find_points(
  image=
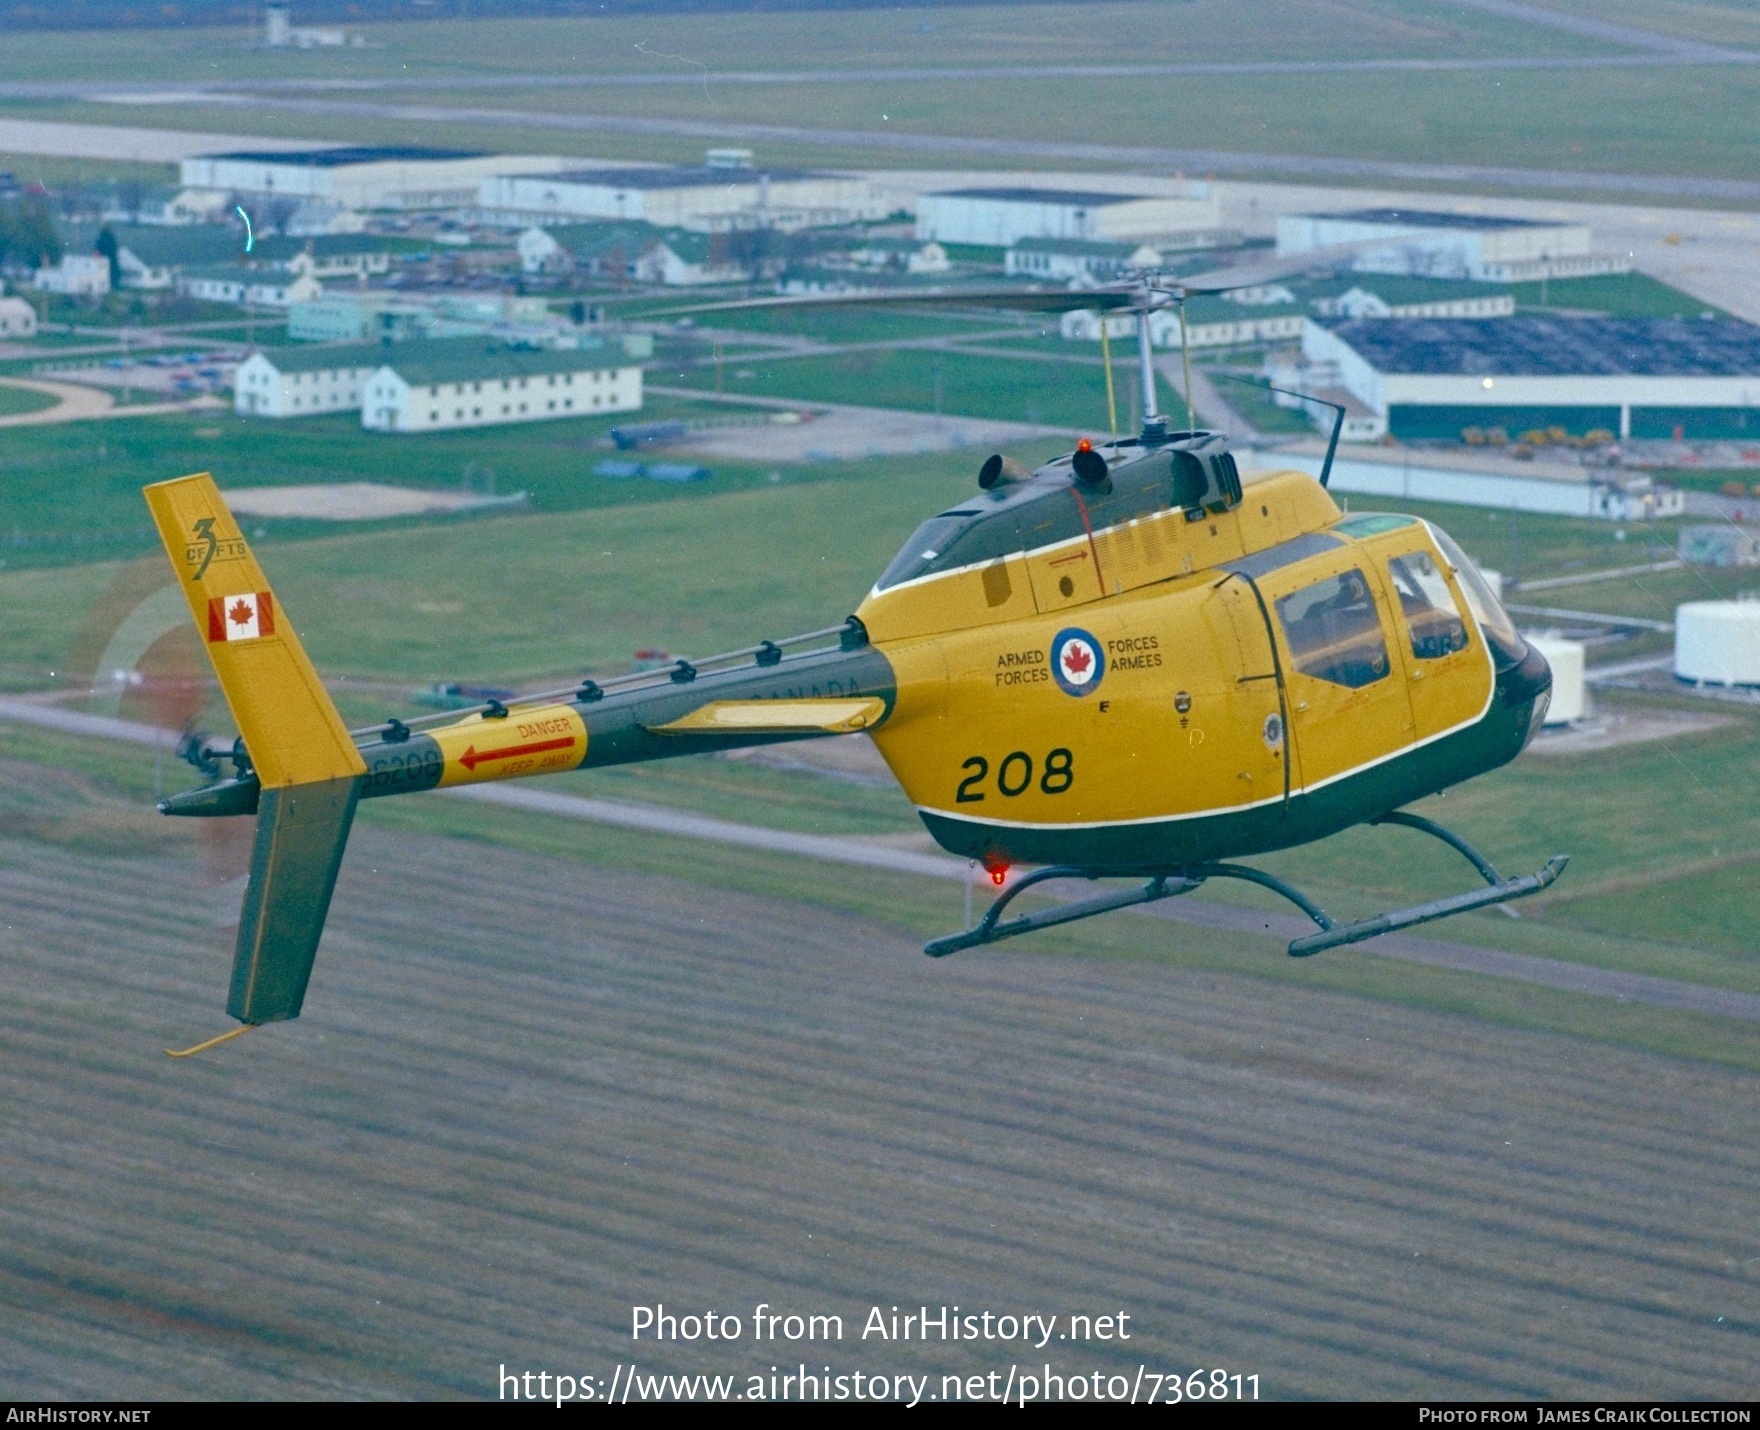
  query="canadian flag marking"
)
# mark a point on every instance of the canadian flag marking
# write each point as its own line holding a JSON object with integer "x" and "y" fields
{"x": 241, "y": 618}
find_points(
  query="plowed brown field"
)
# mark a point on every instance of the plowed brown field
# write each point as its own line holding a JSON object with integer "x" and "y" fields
{"x": 528, "y": 1094}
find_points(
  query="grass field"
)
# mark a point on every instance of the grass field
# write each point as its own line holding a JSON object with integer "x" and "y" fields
{"x": 72, "y": 494}
{"x": 976, "y": 386}
{"x": 532, "y": 1089}
{"x": 1205, "y": 30}
{"x": 1621, "y": 295}
{"x": 16, "y": 400}
{"x": 1703, "y": 479}
{"x": 848, "y": 326}
{"x": 1647, "y": 119}
{"x": 1665, "y": 845}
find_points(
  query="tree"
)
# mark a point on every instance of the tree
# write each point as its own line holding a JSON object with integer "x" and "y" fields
{"x": 27, "y": 232}
{"x": 106, "y": 245}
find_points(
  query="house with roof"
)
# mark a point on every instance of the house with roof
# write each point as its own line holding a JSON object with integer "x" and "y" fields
{"x": 259, "y": 287}
{"x": 17, "y": 318}
{"x": 1210, "y": 322}
{"x": 151, "y": 256}
{"x": 304, "y": 381}
{"x": 632, "y": 253}
{"x": 350, "y": 257}
{"x": 469, "y": 382}
{"x": 78, "y": 275}
{"x": 1384, "y": 296}
{"x": 592, "y": 250}
{"x": 902, "y": 255}
{"x": 1062, "y": 260}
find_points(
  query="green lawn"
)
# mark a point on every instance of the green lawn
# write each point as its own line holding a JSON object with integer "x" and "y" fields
{"x": 682, "y": 43}
{"x": 1622, "y": 295}
{"x": 851, "y": 326}
{"x": 1064, "y": 395}
{"x": 690, "y": 568}
{"x": 1703, "y": 479}
{"x": 16, "y": 400}
{"x": 72, "y": 493}
{"x": 1665, "y": 837}
{"x": 1672, "y": 119}
{"x": 1258, "y": 407}
{"x": 920, "y": 907}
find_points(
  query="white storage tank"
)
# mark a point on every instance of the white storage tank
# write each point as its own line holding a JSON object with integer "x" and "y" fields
{"x": 1570, "y": 699}
{"x": 1718, "y": 642}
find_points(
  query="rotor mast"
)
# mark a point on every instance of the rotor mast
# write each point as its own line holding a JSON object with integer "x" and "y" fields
{"x": 1146, "y": 369}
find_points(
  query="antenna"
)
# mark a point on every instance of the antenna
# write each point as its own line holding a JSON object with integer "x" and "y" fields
{"x": 1337, "y": 420}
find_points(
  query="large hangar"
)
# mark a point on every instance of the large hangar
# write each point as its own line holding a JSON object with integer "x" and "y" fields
{"x": 1486, "y": 248}
{"x": 1001, "y": 218}
{"x": 706, "y": 198}
{"x": 1694, "y": 379}
{"x": 360, "y": 176}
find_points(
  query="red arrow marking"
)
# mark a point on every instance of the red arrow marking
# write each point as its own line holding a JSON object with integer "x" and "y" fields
{"x": 470, "y": 759}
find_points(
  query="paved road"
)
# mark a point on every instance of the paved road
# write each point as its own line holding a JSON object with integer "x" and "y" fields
{"x": 118, "y": 141}
{"x": 71, "y": 402}
{"x": 77, "y": 403}
{"x": 1544, "y": 972}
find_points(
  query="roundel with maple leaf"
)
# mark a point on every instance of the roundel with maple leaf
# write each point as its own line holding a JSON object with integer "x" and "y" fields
{"x": 1077, "y": 662}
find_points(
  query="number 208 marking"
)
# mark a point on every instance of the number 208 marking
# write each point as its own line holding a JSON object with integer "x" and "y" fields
{"x": 1014, "y": 776}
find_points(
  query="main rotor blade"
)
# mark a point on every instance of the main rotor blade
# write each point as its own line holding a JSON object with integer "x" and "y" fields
{"x": 1269, "y": 270}
{"x": 1148, "y": 293}
{"x": 1025, "y": 300}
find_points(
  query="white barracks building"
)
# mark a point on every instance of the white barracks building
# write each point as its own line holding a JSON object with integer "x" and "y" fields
{"x": 303, "y": 382}
{"x": 470, "y": 382}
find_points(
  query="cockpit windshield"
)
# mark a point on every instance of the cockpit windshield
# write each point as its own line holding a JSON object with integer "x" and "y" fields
{"x": 1500, "y": 630}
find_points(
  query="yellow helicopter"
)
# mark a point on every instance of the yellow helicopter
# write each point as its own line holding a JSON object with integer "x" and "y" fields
{"x": 1128, "y": 663}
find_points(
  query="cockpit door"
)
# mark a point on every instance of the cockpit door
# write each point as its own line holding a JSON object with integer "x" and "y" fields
{"x": 1349, "y": 707}
{"x": 1448, "y": 668}
{"x": 1257, "y": 697}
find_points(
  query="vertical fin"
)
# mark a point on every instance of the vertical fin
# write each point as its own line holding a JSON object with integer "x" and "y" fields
{"x": 301, "y": 831}
{"x": 309, "y": 769}
{"x": 291, "y": 729}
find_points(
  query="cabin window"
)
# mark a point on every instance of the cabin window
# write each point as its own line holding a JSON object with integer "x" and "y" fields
{"x": 1432, "y": 617}
{"x": 1334, "y": 631}
{"x": 1189, "y": 482}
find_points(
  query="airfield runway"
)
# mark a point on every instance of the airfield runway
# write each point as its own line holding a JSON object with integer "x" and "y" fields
{"x": 528, "y": 1094}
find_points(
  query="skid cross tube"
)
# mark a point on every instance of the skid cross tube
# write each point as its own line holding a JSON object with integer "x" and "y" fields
{"x": 988, "y": 930}
{"x": 1498, "y": 893}
{"x": 1171, "y": 883}
{"x": 1497, "y": 890}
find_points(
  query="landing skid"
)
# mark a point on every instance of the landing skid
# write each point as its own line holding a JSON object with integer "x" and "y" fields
{"x": 1171, "y": 883}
